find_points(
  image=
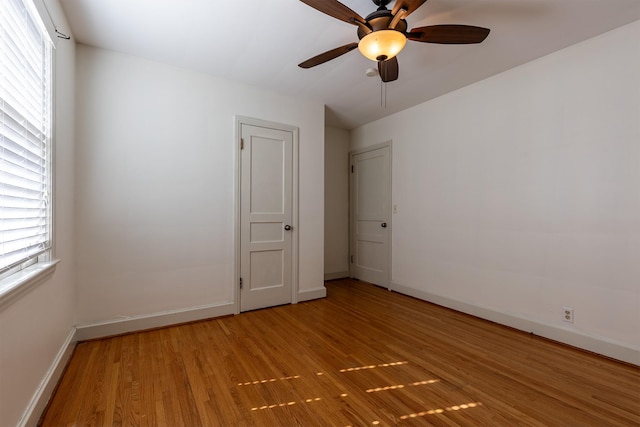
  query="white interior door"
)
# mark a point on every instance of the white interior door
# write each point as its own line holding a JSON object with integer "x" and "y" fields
{"x": 266, "y": 217}
{"x": 370, "y": 215}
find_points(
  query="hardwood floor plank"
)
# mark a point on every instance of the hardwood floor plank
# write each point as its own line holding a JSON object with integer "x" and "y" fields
{"x": 363, "y": 356}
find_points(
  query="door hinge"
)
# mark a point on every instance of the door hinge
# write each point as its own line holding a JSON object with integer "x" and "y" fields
{"x": 351, "y": 168}
{"x": 241, "y": 283}
{"x": 351, "y": 259}
{"x": 242, "y": 143}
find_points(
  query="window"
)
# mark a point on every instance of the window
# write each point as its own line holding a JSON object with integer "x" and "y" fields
{"x": 25, "y": 137}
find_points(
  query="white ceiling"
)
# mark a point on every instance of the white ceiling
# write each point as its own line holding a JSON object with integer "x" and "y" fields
{"x": 260, "y": 43}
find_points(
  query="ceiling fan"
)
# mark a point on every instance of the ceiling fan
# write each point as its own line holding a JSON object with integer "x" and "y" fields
{"x": 383, "y": 33}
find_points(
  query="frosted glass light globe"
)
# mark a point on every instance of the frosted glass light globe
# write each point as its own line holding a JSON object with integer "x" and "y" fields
{"x": 382, "y": 44}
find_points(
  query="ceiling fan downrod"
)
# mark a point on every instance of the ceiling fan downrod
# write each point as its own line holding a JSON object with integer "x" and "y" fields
{"x": 382, "y": 4}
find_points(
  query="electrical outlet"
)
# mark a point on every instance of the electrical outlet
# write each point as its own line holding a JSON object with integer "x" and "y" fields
{"x": 567, "y": 314}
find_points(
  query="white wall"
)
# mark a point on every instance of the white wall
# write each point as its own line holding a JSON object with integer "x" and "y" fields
{"x": 336, "y": 203}
{"x": 520, "y": 194}
{"x": 155, "y": 193}
{"x": 35, "y": 327}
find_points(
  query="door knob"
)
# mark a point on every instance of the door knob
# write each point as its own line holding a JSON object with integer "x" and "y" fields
{"x": 287, "y": 227}
{"x": 383, "y": 225}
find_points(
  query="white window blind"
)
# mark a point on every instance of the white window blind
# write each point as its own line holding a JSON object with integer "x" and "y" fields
{"x": 25, "y": 135}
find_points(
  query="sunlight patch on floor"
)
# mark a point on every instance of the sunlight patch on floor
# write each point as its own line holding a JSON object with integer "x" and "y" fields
{"x": 270, "y": 380}
{"x": 383, "y": 365}
{"x": 400, "y": 386}
{"x": 282, "y": 405}
{"x": 442, "y": 410}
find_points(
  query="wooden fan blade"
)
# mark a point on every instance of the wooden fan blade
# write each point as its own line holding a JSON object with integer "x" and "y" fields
{"x": 388, "y": 69}
{"x": 336, "y": 9}
{"x": 328, "y": 55}
{"x": 410, "y": 5}
{"x": 449, "y": 34}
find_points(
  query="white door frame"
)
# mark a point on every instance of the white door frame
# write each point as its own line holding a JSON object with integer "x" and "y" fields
{"x": 387, "y": 144}
{"x": 239, "y": 121}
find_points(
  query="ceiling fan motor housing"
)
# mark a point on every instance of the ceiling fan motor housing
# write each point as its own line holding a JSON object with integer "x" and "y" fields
{"x": 380, "y": 20}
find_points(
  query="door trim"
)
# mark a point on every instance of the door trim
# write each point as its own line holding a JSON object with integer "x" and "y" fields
{"x": 386, "y": 144}
{"x": 239, "y": 121}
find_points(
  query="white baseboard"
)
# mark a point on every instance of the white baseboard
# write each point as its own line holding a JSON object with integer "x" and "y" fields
{"x": 312, "y": 294}
{"x": 337, "y": 275}
{"x": 586, "y": 342}
{"x": 151, "y": 321}
{"x": 42, "y": 395}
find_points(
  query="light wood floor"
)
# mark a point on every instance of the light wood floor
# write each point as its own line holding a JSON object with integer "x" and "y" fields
{"x": 364, "y": 356}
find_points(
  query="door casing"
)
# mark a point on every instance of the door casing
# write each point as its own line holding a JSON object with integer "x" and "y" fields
{"x": 239, "y": 121}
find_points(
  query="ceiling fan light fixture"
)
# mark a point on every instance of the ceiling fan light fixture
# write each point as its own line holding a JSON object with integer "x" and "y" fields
{"x": 382, "y": 44}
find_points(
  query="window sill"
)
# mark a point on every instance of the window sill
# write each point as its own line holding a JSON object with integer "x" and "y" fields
{"x": 17, "y": 284}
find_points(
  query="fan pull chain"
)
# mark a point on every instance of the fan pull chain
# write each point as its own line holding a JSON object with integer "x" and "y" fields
{"x": 383, "y": 94}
